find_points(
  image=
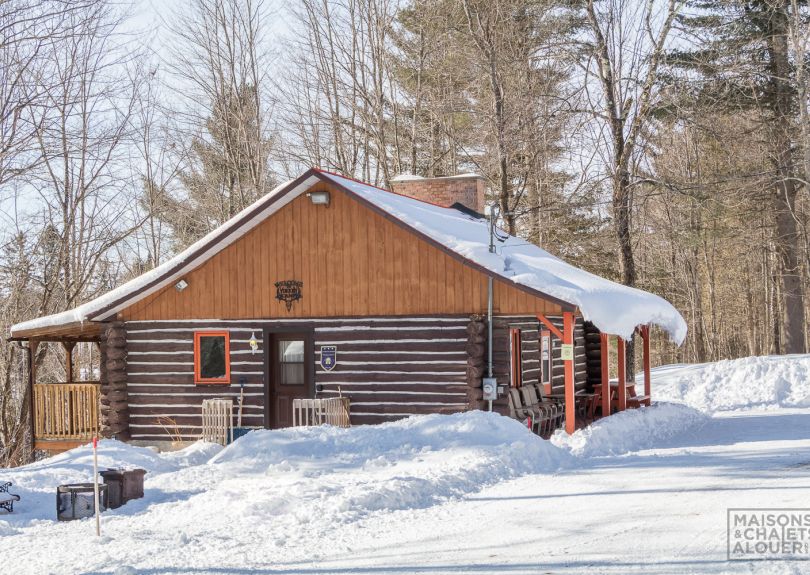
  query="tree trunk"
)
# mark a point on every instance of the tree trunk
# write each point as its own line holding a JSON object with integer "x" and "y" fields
{"x": 788, "y": 250}
{"x": 781, "y": 101}
{"x": 621, "y": 226}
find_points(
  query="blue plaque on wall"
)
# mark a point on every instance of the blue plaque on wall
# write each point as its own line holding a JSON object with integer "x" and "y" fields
{"x": 328, "y": 357}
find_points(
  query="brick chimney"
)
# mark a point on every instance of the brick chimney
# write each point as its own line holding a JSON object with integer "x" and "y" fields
{"x": 465, "y": 189}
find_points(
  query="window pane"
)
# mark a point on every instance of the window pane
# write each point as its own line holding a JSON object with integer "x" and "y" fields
{"x": 212, "y": 357}
{"x": 292, "y": 374}
{"x": 291, "y": 362}
{"x": 291, "y": 351}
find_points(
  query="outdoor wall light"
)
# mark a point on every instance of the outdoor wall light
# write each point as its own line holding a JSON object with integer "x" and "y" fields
{"x": 181, "y": 285}
{"x": 253, "y": 342}
{"x": 319, "y": 198}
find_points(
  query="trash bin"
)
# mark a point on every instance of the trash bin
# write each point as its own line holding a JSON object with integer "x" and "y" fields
{"x": 114, "y": 482}
{"x": 77, "y": 501}
{"x": 123, "y": 485}
{"x": 133, "y": 484}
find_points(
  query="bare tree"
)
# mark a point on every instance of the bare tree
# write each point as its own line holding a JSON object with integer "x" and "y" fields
{"x": 29, "y": 30}
{"x": 157, "y": 172}
{"x": 218, "y": 66}
{"x": 82, "y": 127}
{"x": 65, "y": 111}
{"x": 339, "y": 99}
{"x": 627, "y": 44}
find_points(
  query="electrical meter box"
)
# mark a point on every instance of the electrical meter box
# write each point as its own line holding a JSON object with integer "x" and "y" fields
{"x": 490, "y": 387}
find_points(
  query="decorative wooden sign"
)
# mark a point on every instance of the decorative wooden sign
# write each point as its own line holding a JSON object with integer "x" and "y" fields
{"x": 328, "y": 357}
{"x": 289, "y": 291}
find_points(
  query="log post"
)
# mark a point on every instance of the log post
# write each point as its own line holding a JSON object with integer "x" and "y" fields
{"x": 68, "y": 345}
{"x": 570, "y": 398}
{"x": 113, "y": 372}
{"x": 645, "y": 336}
{"x": 622, "y": 391}
{"x": 33, "y": 344}
{"x": 476, "y": 361}
{"x": 603, "y": 343}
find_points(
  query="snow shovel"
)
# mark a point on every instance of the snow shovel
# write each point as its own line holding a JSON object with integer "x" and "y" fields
{"x": 239, "y": 431}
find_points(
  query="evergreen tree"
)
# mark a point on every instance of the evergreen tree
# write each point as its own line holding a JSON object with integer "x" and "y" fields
{"x": 744, "y": 64}
{"x": 226, "y": 173}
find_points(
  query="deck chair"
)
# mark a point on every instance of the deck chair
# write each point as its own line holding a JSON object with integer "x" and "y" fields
{"x": 536, "y": 391}
{"x": 552, "y": 409}
{"x": 517, "y": 410}
{"x": 541, "y": 395}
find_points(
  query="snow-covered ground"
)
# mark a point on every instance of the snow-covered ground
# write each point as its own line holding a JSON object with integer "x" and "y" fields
{"x": 645, "y": 491}
{"x": 767, "y": 381}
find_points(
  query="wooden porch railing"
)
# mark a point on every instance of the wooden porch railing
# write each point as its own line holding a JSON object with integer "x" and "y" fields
{"x": 66, "y": 410}
{"x": 332, "y": 411}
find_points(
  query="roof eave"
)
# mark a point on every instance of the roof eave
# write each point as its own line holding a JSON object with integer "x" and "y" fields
{"x": 74, "y": 330}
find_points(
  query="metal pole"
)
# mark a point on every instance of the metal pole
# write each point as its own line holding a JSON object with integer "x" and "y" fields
{"x": 489, "y": 299}
{"x": 489, "y": 333}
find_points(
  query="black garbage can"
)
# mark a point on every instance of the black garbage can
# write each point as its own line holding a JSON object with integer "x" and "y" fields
{"x": 77, "y": 501}
{"x": 113, "y": 481}
{"x": 123, "y": 484}
{"x": 133, "y": 484}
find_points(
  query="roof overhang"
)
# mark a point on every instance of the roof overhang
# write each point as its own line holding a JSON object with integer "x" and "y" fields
{"x": 72, "y": 331}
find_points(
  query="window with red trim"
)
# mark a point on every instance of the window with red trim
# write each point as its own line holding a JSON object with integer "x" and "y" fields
{"x": 545, "y": 360}
{"x": 212, "y": 357}
{"x": 517, "y": 357}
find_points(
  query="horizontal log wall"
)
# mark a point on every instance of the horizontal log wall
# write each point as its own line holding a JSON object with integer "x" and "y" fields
{"x": 388, "y": 367}
{"x": 164, "y": 402}
{"x": 395, "y": 368}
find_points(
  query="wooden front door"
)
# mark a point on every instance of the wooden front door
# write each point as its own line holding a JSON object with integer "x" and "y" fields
{"x": 290, "y": 369}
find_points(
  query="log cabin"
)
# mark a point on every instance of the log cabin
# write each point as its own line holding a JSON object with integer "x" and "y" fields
{"x": 402, "y": 301}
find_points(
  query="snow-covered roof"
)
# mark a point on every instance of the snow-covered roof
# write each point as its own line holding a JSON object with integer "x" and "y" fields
{"x": 612, "y": 307}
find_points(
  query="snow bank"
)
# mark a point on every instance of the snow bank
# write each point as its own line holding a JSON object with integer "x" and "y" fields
{"x": 339, "y": 474}
{"x": 631, "y": 430}
{"x": 768, "y": 381}
{"x": 407, "y": 464}
{"x": 36, "y": 483}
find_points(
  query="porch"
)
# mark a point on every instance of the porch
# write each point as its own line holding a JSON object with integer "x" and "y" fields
{"x": 65, "y": 410}
{"x": 602, "y": 398}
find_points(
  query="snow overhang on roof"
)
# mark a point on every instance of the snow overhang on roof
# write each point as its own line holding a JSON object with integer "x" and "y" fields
{"x": 612, "y": 307}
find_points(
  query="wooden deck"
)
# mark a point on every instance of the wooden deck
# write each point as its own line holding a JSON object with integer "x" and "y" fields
{"x": 54, "y": 446}
{"x": 66, "y": 415}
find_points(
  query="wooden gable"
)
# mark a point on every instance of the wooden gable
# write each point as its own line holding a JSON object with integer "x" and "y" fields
{"x": 352, "y": 262}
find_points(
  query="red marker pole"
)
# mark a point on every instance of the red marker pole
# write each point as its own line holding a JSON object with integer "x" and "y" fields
{"x": 95, "y": 485}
